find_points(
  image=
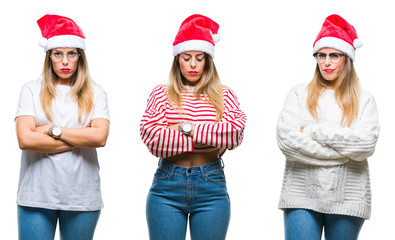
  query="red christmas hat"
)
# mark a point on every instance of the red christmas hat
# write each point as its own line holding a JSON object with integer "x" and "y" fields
{"x": 198, "y": 33}
{"x": 59, "y": 31}
{"x": 337, "y": 33}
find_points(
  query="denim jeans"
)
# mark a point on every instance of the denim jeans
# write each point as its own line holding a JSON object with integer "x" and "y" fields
{"x": 195, "y": 193}
{"x": 40, "y": 224}
{"x": 303, "y": 224}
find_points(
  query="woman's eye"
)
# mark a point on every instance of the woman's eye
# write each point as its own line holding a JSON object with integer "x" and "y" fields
{"x": 57, "y": 54}
{"x": 186, "y": 59}
{"x": 199, "y": 59}
{"x": 72, "y": 54}
{"x": 321, "y": 55}
{"x": 334, "y": 55}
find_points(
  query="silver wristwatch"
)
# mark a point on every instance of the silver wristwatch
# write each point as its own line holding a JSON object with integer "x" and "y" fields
{"x": 185, "y": 128}
{"x": 56, "y": 132}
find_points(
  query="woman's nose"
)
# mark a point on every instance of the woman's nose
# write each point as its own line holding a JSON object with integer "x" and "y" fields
{"x": 65, "y": 59}
{"x": 193, "y": 63}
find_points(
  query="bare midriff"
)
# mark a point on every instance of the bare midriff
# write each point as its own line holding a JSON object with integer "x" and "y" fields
{"x": 193, "y": 159}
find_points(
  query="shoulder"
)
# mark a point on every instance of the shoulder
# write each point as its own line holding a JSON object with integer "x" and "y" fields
{"x": 161, "y": 88}
{"x": 97, "y": 89}
{"x": 32, "y": 84}
{"x": 366, "y": 95}
{"x": 158, "y": 95}
{"x": 299, "y": 88}
{"x": 32, "y": 87}
{"x": 298, "y": 91}
{"x": 366, "y": 98}
{"x": 159, "y": 91}
{"x": 227, "y": 92}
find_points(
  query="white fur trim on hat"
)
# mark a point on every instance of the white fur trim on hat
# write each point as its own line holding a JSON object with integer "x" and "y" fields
{"x": 335, "y": 43}
{"x": 70, "y": 41}
{"x": 194, "y": 45}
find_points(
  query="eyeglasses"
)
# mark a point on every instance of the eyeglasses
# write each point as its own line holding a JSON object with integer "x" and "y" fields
{"x": 72, "y": 56}
{"x": 333, "y": 57}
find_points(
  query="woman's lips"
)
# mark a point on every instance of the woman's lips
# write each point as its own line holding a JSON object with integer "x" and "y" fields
{"x": 329, "y": 70}
{"x": 193, "y": 72}
{"x": 65, "y": 70}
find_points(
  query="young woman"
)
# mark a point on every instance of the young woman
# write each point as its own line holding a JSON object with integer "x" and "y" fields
{"x": 189, "y": 124}
{"x": 61, "y": 120}
{"x": 326, "y": 130}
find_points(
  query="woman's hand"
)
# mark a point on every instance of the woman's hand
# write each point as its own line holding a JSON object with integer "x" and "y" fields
{"x": 301, "y": 129}
{"x": 174, "y": 127}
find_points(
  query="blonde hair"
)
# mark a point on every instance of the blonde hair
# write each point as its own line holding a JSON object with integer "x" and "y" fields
{"x": 347, "y": 92}
{"x": 81, "y": 91}
{"x": 209, "y": 85}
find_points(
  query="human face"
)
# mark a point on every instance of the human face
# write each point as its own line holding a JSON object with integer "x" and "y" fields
{"x": 192, "y": 66}
{"x": 65, "y": 66}
{"x": 329, "y": 70}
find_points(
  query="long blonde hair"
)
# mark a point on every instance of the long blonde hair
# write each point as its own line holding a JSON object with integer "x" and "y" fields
{"x": 81, "y": 91}
{"x": 209, "y": 85}
{"x": 347, "y": 92}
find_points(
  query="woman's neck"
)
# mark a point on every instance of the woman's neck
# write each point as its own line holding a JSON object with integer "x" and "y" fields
{"x": 66, "y": 82}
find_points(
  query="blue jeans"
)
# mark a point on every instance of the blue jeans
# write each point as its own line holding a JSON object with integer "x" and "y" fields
{"x": 195, "y": 193}
{"x": 303, "y": 224}
{"x": 40, "y": 224}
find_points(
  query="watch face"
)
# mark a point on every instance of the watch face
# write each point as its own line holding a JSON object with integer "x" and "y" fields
{"x": 187, "y": 127}
{"x": 56, "y": 131}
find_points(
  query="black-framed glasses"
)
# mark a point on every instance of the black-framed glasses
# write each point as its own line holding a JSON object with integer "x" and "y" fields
{"x": 57, "y": 56}
{"x": 333, "y": 57}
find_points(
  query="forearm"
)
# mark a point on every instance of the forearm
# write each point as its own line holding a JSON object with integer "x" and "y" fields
{"x": 219, "y": 135}
{"x": 358, "y": 144}
{"x": 38, "y": 142}
{"x": 33, "y": 138}
{"x": 165, "y": 142}
{"x": 293, "y": 155}
{"x": 84, "y": 137}
{"x": 89, "y": 137}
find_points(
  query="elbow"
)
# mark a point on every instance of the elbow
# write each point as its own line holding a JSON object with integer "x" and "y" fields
{"x": 100, "y": 142}
{"x": 23, "y": 144}
{"x": 361, "y": 156}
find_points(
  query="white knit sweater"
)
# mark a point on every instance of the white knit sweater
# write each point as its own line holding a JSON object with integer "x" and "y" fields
{"x": 326, "y": 168}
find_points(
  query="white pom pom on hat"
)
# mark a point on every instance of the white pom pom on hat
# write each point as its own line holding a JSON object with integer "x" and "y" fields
{"x": 216, "y": 38}
{"x": 357, "y": 43}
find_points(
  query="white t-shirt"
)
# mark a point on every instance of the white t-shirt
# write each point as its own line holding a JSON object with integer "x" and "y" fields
{"x": 63, "y": 181}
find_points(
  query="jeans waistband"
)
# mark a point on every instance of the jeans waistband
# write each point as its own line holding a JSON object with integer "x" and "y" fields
{"x": 173, "y": 168}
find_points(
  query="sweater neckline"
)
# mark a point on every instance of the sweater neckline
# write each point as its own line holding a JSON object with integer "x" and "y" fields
{"x": 190, "y": 88}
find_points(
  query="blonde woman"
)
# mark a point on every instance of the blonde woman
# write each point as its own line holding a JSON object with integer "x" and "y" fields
{"x": 61, "y": 119}
{"x": 189, "y": 124}
{"x": 327, "y": 130}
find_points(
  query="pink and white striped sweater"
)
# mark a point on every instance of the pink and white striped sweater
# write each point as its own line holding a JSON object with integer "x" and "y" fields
{"x": 208, "y": 135}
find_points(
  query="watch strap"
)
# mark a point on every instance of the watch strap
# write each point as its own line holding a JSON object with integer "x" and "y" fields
{"x": 50, "y": 130}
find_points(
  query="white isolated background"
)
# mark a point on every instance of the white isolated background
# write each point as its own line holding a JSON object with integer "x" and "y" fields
{"x": 265, "y": 49}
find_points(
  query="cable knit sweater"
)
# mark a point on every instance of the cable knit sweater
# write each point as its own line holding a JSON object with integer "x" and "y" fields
{"x": 326, "y": 168}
